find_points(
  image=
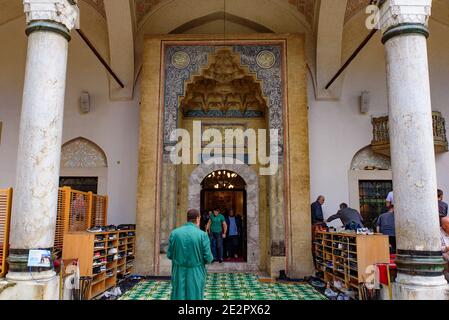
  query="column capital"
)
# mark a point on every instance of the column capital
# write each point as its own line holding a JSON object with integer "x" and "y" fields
{"x": 404, "y": 16}
{"x": 64, "y": 12}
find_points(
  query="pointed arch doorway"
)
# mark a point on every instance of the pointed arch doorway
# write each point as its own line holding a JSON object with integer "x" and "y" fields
{"x": 226, "y": 191}
{"x": 203, "y": 184}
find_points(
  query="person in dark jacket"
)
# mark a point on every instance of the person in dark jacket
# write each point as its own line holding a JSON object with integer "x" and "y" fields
{"x": 317, "y": 220}
{"x": 317, "y": 211}
{"x": 442, "y": 206}
{"x": 234, "y": 234}
{"x": 347, "y": 216}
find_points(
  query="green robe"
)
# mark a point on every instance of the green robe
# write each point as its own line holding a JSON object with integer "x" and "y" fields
{"x": 189, "y": 250}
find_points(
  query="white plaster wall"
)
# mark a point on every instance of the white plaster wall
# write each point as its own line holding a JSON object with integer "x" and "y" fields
{"x": 111, "y": 125}
{"x": 338, "y": 130}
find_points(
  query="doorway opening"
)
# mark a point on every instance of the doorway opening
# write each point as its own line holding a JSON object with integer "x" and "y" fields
{"x": 84, "y": 184}
{"x": 226, "y": 191}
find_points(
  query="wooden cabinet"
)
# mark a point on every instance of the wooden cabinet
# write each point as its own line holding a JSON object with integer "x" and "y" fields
{"x": 98, "y": 257}
{"x": 348, "y": 257}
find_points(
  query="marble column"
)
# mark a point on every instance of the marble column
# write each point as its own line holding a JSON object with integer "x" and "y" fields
{"x": 419, "y": 260}
{"x": 33, "y": 218}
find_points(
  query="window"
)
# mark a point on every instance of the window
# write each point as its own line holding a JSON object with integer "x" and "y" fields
{"x": 372, "y": 195}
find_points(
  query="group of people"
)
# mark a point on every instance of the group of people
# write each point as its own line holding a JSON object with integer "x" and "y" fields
{"x": 190, "y": 248}
{"x": 225, "y": 232}
{"x": 351, "y": 219}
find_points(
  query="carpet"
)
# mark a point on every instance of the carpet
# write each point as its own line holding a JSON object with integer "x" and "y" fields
{"x": 229, "y": 286}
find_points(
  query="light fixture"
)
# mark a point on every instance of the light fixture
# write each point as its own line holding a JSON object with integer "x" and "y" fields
{"x": 364, "y": 101}
{"x": 84, "y": 102}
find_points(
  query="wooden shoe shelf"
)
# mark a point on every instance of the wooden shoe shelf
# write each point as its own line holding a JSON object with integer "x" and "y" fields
{"x": 346, "y": 257}
{"x": 89, "y": 248}
{"x": 127, "y": 240}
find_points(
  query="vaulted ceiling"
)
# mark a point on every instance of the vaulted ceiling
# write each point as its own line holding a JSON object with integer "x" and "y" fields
{"x": 10, "y": 10}
{"x": 118, "y": 27}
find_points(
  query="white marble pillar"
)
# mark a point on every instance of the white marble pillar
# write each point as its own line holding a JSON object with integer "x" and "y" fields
{"x": 33, "y": 218}
{"x": 419, "y": 259}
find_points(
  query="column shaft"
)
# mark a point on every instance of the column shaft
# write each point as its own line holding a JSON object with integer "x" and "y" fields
{"x": 37, "y": 178}
{"x": 412, "y": 145}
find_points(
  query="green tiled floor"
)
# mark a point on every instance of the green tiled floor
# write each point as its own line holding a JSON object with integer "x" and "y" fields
{"x": 229, "y": 286}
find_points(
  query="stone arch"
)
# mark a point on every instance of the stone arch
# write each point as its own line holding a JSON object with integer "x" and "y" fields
{"x": 367, "y": 159}
{"x": 81, "y": 157}
{"x": 252, "y": 190}
{"x": 366, "y": 165}
{"x": 82, "y": 153}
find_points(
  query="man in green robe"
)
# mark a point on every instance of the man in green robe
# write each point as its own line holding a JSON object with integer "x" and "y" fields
{"x": 189, "y": 250}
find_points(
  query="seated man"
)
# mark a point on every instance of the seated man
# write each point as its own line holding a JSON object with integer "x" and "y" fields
{"x": 444, "y": 222}
{"x": 386, "y": 226}
{"x": 347, "y": 216}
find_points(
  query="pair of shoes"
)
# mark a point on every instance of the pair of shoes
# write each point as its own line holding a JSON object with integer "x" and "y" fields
{"x": 220, "y": 261}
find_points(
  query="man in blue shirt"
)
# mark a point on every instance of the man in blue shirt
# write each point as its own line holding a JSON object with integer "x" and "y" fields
{"x": 234, "y": 233}
{"x": 386, "y": 226}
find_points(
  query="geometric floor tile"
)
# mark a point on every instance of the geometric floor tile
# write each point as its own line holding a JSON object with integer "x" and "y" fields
{"x": 228, "y": 286}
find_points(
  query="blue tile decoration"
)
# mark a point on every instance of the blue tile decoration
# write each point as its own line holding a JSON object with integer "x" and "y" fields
{"x": 175, "y": 78}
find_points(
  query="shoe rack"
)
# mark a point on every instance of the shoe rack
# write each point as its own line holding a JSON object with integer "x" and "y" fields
{"x": 126, "y": 250}
{"x": 347, "y": 258}
{"x": 97, "y": 255}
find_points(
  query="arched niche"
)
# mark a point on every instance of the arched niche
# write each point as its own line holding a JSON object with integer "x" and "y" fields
{"x": 367, "y": 159}
{"x": 365, "y": 166}
{"x": 81, "y": 157}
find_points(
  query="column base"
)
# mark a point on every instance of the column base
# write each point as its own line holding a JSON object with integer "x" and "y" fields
{"x": 26, "y": 286}
{"x": 408, "y": 287}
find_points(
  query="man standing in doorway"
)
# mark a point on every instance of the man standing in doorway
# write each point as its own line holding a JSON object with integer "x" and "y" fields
{"x": 234, "y": 224}
{"x": 189, "y": 250}
{"x": 217, "y": 228}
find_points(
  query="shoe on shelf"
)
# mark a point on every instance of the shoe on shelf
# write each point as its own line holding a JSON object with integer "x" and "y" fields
{"x": 95, "y": 229}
